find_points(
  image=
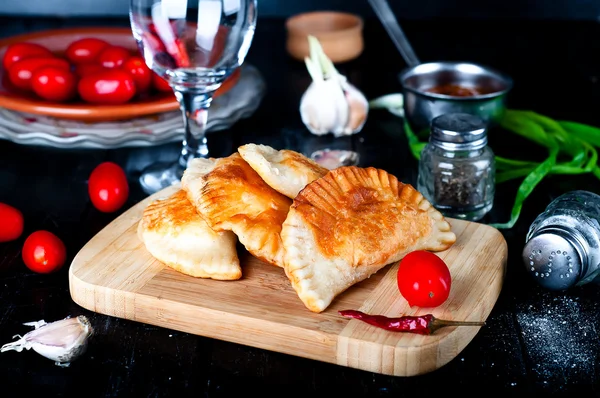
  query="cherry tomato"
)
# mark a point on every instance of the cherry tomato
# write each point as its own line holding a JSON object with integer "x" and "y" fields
{"x": 88, "y": 69}
{"x": 54, "y": 83}
{"x": 108, "y": 187}
{"x": 424, "y": 279}
{"x": 17, "y": 51}
{"x": 108, "y": 87}
{"x": 11, "y": 223}
{"x": 160, "y": 84}
{"x": 43, "y": 252}
{"x": 142, "y": 75}
{"x": 85, "y": 50}
{"x": 113, "y": 56}
{"x": 20, "y": 72}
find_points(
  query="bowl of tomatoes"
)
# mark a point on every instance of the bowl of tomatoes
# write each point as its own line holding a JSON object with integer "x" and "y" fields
{"x": 86, "y": 74}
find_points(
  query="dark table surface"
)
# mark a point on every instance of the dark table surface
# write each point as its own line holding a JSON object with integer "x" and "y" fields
{"x": 535, "y": 342}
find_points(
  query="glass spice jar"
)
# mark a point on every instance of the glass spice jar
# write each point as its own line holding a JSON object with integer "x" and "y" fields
{"x": 457, "y": 168}
{"x": 562, "y": 246}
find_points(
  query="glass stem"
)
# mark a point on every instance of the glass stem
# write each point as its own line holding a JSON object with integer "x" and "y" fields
{"x": 194, "y": 106}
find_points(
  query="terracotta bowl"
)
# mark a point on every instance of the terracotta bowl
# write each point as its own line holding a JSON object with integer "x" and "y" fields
{"x": 340, "y": 34}
{"x": 56, "y": 40}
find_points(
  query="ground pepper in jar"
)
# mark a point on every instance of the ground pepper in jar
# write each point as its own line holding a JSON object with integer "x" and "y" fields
{"x": 456, "y": 168}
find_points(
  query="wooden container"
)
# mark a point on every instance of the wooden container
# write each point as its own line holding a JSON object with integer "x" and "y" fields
{"x": 340, "y": 34}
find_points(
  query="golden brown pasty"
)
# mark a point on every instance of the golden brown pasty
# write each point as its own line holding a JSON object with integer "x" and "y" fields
{"x": 231, "y": 196}
{"x": 175, "y": 234}
{"x": 349, "y": 224}
{"x": 284, "y": 170}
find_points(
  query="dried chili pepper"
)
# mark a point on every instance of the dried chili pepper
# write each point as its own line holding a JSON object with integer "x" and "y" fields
{"x": 424, "y": 324}
{"x": 179, "y": 53}
{"x": 164, "y": 37}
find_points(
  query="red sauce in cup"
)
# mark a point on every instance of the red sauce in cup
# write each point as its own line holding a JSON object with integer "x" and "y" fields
{"x": 456, "y": 90}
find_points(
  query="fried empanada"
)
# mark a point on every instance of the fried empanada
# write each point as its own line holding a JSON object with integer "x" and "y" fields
{"x": 284, "y": 170}
{"x": 175, "y": 234}
{"x": 347, "y": 225}
{"x": 231, "y": 196}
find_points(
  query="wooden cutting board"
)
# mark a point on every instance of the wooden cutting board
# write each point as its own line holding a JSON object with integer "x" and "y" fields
{"x": 113, "y": 274}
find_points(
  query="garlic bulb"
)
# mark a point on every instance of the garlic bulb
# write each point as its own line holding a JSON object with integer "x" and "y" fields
{"x": 61, "y": 341}
{"x": 330, "y": 104}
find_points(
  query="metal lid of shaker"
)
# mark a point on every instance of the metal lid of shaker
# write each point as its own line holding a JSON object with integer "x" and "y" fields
{"x": 458, "y": 131}
{"x": 555, "y": 258}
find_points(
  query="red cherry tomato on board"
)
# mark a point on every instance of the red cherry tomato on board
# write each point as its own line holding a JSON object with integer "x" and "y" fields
{"x": 160, "y": 84}
{"x": 85, "y": 50}
{"x": 54, "y": 83}
{"x": 108, "y": 187}
{"x": 11, "y": 223}
{"x": 112, "y": 86}
{"x": 141, "y": 74}
{"x": 17, "y": 51}
{"x": 113, "y": 56}
{"x": 424, "y": 279}
{"x": 21, "y": 72}
{"x": 43, "y": 252}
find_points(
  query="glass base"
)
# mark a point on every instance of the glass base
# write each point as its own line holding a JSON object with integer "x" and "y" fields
{"x": 159, "y": 176}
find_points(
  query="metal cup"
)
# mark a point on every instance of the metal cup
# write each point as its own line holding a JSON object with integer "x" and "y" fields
{"x": 421, "y": 106}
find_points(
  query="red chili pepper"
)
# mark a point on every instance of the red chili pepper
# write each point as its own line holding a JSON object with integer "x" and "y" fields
{"x": 173, "y": 45}
{"x": 153, "y": 42}
{"x": 424, "y": 324}
{"x": 179, "y": 53}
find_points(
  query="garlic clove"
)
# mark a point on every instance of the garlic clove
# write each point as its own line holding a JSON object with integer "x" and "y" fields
{"x": 358, "y": 109}
{"x": 334, "y": 158}
{"x": 330, "y": 104}
{"x": 61, "y": 341}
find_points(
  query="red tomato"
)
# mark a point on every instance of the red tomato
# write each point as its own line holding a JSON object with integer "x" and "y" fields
{"x": 108, "y": 87}
{"x": 88, "y": 69}
{"x": 43, "y": 252}
{"x": 142, "y": 75}
{"x": 17, "y": 51}
{"x": 424, "y": 279}
{"x": 108, "y": 187}
{"x": 11, "y": 223}
{"x": 20, "y": 72}
{"x": 160, "y": 84}
{"x": 85, "y": 50}
{"x": 113, "y": 56}
{"x": 54, "y": 84}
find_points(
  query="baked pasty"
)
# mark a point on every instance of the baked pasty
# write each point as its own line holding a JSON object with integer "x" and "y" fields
{"x": 284, "y": 170}
{"x": 349, "y": 224}
{"x": 231, "y": 196}
{"x": 175, "y": 234}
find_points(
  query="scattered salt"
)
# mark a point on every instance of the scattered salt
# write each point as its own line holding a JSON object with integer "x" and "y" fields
{"x": 556, "y": 340}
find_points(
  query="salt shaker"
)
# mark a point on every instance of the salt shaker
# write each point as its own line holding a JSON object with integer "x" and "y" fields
{"x": 457, "y": 168}
{"x": 562, "y": 246}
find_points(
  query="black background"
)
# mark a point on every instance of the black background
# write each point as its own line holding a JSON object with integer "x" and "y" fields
{"x": 405, "y": 9}
{"x": 535, "y": 343}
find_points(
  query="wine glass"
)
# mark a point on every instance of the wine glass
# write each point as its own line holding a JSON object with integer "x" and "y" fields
{"x": 194, "y": 45}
